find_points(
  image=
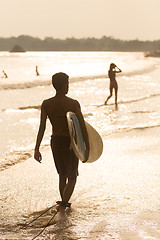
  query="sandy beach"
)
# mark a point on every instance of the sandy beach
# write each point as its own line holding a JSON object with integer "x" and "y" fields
{"x": 118, "y": 199}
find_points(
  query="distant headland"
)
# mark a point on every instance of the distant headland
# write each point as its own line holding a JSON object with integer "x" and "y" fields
{"x": 28, "y": 43}
{"x": 17, "y": 48}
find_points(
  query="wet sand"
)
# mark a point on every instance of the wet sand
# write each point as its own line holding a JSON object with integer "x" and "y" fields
{"x": 117, "y": 197}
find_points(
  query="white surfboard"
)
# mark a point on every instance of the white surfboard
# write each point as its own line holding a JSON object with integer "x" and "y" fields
{"x": 77, "y": 141}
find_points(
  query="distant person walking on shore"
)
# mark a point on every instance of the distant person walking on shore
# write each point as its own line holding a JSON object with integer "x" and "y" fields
{"x": 113, "y": 83}
{"x": 4, "y": 74}
{"x": 37, "y": 73}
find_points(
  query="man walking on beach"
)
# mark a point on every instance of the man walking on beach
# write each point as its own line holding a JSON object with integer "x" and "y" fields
{"x": 66, "y": 162}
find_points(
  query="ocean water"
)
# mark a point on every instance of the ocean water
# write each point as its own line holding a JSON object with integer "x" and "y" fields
{"x": 120, "y": 200}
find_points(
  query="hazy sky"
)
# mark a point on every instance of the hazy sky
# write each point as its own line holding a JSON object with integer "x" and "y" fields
{"x": 124, "y": 19}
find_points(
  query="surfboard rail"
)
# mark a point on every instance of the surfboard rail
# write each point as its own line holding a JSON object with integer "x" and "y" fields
{"x": 77, "y": 140}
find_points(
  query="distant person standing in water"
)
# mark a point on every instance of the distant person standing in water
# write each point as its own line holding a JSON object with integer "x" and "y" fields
{"x": 37, "y": 73}
{"x": 113, "y": 83}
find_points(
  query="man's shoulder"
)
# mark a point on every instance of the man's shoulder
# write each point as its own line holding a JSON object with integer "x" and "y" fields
{"x": 53, "y": 101}
{"x": 48, "y": 100}
{"x": 73, "y": 101}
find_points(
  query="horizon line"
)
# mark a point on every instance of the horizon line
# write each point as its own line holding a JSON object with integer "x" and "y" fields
{"x": 78, "y": 38}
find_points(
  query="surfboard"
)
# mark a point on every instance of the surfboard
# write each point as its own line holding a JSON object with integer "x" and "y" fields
{"x": 77, "y": 141}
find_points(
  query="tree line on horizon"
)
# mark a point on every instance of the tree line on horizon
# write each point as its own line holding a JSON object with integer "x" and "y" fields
{"x": 29, "y": 43}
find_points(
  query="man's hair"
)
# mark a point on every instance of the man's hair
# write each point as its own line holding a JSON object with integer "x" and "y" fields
{"x": 59, "y": 80}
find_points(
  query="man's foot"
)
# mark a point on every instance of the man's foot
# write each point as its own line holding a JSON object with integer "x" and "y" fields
{"x": 62, "y": 206}
{"x": 105, "y": 103}
{"x": 61, "y": 210}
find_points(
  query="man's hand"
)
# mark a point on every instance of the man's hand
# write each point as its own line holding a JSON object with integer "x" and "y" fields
{"x": 37, "y": 155}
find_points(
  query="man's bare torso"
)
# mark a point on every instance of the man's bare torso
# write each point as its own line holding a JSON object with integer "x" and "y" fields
{"x": 56, "y": 109}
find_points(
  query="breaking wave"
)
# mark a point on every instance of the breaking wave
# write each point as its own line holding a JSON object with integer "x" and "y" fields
{"x": 47, "y": 81}
{"x": 129, "y": 129}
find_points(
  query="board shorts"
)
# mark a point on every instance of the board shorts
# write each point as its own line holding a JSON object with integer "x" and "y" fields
{"x": 65, "y": 159}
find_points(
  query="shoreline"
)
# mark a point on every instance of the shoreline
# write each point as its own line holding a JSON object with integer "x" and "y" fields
{"x": 12, "y": 158}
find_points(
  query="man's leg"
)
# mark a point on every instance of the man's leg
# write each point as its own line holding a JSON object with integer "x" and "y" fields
{"x": 69, "y": 188}
{"x": 66, "y": 190}
{"x": 62, "y": 184}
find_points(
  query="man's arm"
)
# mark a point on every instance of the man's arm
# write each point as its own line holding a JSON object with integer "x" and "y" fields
{"x": 42, "y": 127}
